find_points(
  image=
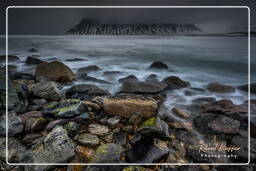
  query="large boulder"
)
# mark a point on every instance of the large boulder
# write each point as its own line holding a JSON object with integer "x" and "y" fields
{"x": 85, "y": 91}
{"x": 54, "y": 71}
{"x": 56, "y": 147}
{"x": 159, "y": 65}
{"x": 129, "y": 78}
{"x": 11, "y": 58}
{"x": 65, "y": 109}
{"x": 47, "y": 90}
{"x": 107, "y": 153}
{"x": 142, "y": 87}
{"x": 126, "y": 106}
{"x": 220, "y": 88}
{"x": 33, "y": 61}
{"x": 15, "y": 125}
{"x": 175, "y": 82}
{"x": 85, "y": 70}
{"x": 225, "y": 125}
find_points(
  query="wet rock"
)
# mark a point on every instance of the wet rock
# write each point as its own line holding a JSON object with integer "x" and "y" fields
{"x": 111, "y": 73}
{"x": 120, "y": 138}
{"x": 107, "y": 153}
{"x": 174, "y": 82}
{"x": 33, "y": 61}
{"x": 203, "y": 121}
{"x": 128, "y": 129}
{"x": 142, "y": 87}
{"x": 245, "y": 88}
{"x": 134, "y": 168}
{"x": 220, "y": 88}
{"x": 54, "y": 71}
{"x": 32, "y": 114}
{"x": 159, "y": 65}
{"x": 23, "y": 96}
{"x": 88, "y": 139}
{"x": 56, "y": 147}
{"x": 180, "y": 124}
{"x": 225, "y": 125}
{"x": 46, "y": 90}
{"x": 194, "y": 91}
{"x": 130, "y": 78}
{"x": 65, "y": 109}
{"x": 15, "y": 149}
{"x": 72, "y": 128}
{"x": 88, "y": 68}
{"x": 15, "y": 125}
{"x": 29, "y": 138}
{"x": 227, "y": 108}
{"x": 33, "y": 50}
{"x": 11, "y": 68}
{"x": 136, "y": 119}
{"x": 126, "y": 106}
{"x": 181, "y": 113}
{"x": 113, "y": 121}
{"x": 152, "y": 78}
{"x": 85, "y": 91}
{"x": 35, "y": 124}
{"x": 147, "y": 151}
{"x": 154, "y": 127}
{"x": 37, "y": 104}
{"x": 98, "y": 129}
{"x": 11, "y": 58}
{"x": 76, "y": 60}
{"x": 203, "y": 100}
{"x": 85, "y": 77}
{"x": 51, "y": 125}
{"x": 21, "y": 75}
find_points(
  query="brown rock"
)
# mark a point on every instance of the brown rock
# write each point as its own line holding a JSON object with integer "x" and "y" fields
{"x": 98, "y": 129}
{"x": 29, "y": 138}
{"x": 181, "y": 113}
{"x": 128, "y": 106}
{"x": 54, "y": 71}
{"x": 220, "y": 88}
{"x": 225, "y": 125}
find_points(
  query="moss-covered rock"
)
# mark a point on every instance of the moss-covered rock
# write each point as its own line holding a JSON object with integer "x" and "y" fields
{"x": 65, "y": 109}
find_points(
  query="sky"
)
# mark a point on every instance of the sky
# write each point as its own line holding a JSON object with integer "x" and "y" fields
{"x": 43, "y": 21}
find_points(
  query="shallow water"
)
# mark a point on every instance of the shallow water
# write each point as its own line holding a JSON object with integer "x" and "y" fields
{"x": 199, "y": 60}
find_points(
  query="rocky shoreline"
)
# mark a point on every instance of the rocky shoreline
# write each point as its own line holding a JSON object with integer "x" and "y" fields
{"x": 87, "y": 124}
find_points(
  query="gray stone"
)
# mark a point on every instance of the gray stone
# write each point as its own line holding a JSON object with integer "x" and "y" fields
{"x": 88, "y": 139}
{"x": 15, "y": 125}
{"x": 98, "y": 129}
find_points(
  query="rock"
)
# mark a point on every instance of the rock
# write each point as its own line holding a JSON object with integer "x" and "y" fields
{"x": 227, "y": 108}
{"x": 111, "y": 73}
{"x": 15, "y": 125}
{"x": 29, "y": 138}
{"x": 23, "y": 96}
{"x": 120, "y": 138}
{"x": 136, "y": 119}
{"x": 174, "y": 82}
{"x": 11, "y": 68}
{"x": 21, "y": 75}
{"x": 159, "y": 65}
{"x": 154, "y": 127}
{"x": 128, "y": 129}
{"x": 56, "y": 147}
{"x": 72, "y": 128}
{"x": 147, "y": 151}
{"x": 35, "y": 124}
{"x": 179, "y": 123}
{"x": 32, "y": 114}
{"x": 85, "y": 77}
{"x": 134, "y": 168}
{"x": 76, "y": 60}
{"x": 245, "y": 88}
{"x": 88, "y": 69}
{"x": 130, "y": 78}
{"x": 203, "y": 121}
{"x": 220, "y": 88}
{"x": 203, "y": 100}
{"x": 37, "y": 104}
{"x": 33, "y": 61}
{"x": 98, "y": 129}
{"x": 142, "y": 87}
{"x": 46, "y": 90}
{"x": 33, "y": 50}
{"x": 113, "y": 121}
{"x": 11, "y": 58}
{"x": 54, "y": 71}
{"x": 225, "y": 125}
{"x": 85, "y": 91}
{"x": 88, "y": 139}
{"x": 69, "y": 126}
{"x": 194, "y": 91}
{"x": 126, "y": 106}
{"x": 152, "y": 78}
{"x": 65, "y": 109}
{"x": 85, "y": 152}
{"x": 181, "y": 113}
{"x": 15, "y": 149}
{"x": 107, "y": 153}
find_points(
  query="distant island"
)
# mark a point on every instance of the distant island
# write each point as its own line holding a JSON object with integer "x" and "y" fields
{"x": 92, "y": 27}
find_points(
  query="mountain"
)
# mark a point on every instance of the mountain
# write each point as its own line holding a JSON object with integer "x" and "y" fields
{"x": 92, "y": 27}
